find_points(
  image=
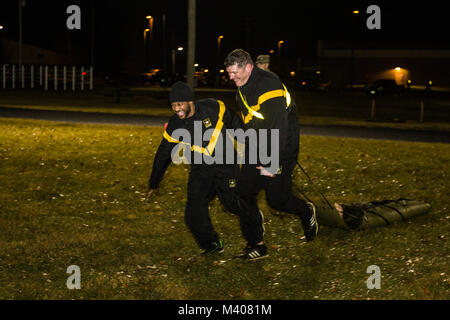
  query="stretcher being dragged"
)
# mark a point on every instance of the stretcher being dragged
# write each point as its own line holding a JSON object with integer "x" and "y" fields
{"x": 358, "y": 216}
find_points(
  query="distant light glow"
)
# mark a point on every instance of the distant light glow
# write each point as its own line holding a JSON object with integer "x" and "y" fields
{"x": 292, "y": 73}
{"x": 180, "y": 49}
{"x": 398, "y": 69}
{"x": 355, "y": 12}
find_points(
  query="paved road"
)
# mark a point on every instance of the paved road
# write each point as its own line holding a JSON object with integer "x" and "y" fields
{"x": 82, "y": 117}
{"x": 376, "y": 133}
{"x": 143, "y": 120}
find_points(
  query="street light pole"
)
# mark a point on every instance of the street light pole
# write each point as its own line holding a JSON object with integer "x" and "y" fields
{"x": 218, "y": 61}
{"x": 352, "y": 49}
{"x": 20, "y": 32}
{"x": 279, "y": 55}
{"x": 150, "y": 23}
{"x": 164, "y": 44}
{"x": 92, "y": 34}
{"x": 191, "y": 44}
{"x": 148, "y": 45}
{"x": 218, "y": 44}
{"x": 174, "y": 59}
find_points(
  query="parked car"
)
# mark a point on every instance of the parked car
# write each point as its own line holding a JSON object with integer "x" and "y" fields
{"x": 384, "y": 86}
{"x": 315, "y": 85}
{"x": 153, "y": 77}
{"x": 313, "y": 79}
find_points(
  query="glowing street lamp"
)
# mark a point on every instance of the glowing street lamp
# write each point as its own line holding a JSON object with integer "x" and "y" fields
{"x": 1, "y": 27}
{"x": 148, "y": 42}
{"x": 217, "y": 76}
{"x": 179, "y": 49}
{"x": 145, "y": 33}
{"x": 279, "y": 45}
{"x": 150, "y": 25}
{"x": 279, "y": 54}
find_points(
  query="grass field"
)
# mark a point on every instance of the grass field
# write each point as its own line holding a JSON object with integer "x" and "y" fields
{"x": 74, "y": 195}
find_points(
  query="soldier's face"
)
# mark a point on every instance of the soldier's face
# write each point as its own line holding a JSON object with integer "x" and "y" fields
{"x": 182, "y": 109}
{"x": 239, "y": 75}
{"x": 264, "y": 66}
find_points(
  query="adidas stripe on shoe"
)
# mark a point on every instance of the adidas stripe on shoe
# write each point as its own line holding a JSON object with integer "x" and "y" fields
{"x": 254, "y": 252}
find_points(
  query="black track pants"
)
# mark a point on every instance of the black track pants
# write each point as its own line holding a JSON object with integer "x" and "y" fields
{"x": 278, "y": 194}
{"x": 204, "y": 184}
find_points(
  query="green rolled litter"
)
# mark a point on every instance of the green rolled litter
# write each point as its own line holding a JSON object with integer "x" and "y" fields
{"x": 359, "y": 216}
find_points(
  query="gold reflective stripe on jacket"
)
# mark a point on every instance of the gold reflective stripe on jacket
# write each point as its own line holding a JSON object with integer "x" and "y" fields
{"x": 217, "y": 130}
{"x": 212, "y": 142}
{"x": 252, "y": 111}
{"x": 287, "y": 95}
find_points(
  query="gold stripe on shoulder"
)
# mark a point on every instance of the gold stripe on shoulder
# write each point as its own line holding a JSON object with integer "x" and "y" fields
{"x": 270, "y": 95}
{"x": 169, "y": 138}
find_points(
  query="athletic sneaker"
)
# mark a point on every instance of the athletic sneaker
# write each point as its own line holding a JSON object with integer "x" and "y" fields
{"x": 214, "y": 247}
{"x": 310, "y": 225}
{"x": 254, "y": 252}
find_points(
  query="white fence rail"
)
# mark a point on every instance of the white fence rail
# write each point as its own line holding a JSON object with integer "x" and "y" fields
{"x": 47, "y": 77}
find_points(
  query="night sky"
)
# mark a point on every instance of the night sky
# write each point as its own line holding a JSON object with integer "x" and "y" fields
{"x": 112, "y": 31}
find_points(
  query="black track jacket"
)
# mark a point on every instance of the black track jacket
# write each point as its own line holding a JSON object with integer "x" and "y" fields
{"x": 211, "y": 116}
{"x": 266, "y": 96}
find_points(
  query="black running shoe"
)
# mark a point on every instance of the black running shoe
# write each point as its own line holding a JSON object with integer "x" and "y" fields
{"x": 310, "y": 225}
{"x": 214, "y": 247}
{"x": 254, "y": 252}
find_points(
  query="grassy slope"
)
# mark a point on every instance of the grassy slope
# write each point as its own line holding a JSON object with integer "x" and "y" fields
{"x": 73, "y": 194}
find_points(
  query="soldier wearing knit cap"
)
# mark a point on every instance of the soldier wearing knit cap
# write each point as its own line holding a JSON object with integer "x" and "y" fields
{"x": 207, "y": 178}
{"x": 181, "y": 98}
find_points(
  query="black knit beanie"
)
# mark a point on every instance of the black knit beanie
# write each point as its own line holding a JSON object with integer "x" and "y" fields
{"x": 180, "y": 92}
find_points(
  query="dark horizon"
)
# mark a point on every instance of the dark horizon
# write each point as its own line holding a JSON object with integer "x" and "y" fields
{"x": 112, "y": 31}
